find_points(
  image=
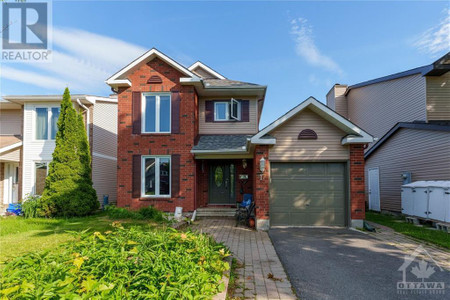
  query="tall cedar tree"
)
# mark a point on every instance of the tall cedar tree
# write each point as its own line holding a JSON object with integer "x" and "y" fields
{"x": 68, "y": 188}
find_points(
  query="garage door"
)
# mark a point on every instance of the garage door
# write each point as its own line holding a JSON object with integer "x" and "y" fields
{"x": 307, "y": 194}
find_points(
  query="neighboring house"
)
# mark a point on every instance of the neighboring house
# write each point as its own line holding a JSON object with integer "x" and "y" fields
{"x": 28, "y": 126}
{"x": 189, "y": 137}
{"x": 409, "y": 115}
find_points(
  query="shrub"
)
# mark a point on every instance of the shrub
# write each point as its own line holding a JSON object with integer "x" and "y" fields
{"x": 145, "y": 213}
{"x": 31, "y": 206}
{"x": 122, "y": 264}
{"x": 68, "y": 188}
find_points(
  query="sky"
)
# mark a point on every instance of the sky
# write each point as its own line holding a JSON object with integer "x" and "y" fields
{"x": 297, "y": 48}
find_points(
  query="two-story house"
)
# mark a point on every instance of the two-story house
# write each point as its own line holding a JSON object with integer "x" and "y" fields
{"x": 189, "y": 137}
{"x": 28, "y": 125}
{"x": 409, "y": 115}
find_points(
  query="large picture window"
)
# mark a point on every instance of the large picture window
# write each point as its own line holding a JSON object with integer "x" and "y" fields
{"x": 41, "y": 171}
{"x": 156, "y": 113}
{"x": 46, "y": 124}
{"x": 155, "y": 176}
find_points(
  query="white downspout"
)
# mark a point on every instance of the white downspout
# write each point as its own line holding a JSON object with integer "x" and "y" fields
{"x": 87, "y": 116}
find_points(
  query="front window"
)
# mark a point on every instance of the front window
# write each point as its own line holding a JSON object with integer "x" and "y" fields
{"x": 40, "y": 176}
{"x": 227, "y": 110}
{"x": 156, "y": 113}
{"x": 155, "y": 176}
{"x": 46, "y": 123}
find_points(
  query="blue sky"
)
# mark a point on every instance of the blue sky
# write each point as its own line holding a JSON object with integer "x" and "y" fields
{"x": 299, "y": 49}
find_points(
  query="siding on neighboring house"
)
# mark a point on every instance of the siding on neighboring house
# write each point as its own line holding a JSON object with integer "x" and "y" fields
{"x": 11, "y": 121}
{"x": 405, "y": 151}
{"x": 12, "y": 155}
{"x": 337, "y": 101}
{"x": 438, "y": 97}
{"x": 250, "y": 127}
{"x": 34, "y": 150}
{"x": 327, "y": 147}
{"x": 104, "y": 150}
{"x": 376, "y": 108}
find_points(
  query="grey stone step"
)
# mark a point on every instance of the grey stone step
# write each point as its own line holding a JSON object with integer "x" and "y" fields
{"x": 216, "y": 212}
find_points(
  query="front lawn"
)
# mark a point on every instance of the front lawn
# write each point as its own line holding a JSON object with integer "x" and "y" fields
{"x": 422, "y": 233}
{"x": 19, "y": 235}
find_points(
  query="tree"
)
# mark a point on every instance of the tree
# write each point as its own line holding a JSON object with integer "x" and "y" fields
{"x": 68, "y": 187}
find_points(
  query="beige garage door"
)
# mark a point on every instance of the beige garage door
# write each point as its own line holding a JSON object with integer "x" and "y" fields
{"x": 307, "y": 194}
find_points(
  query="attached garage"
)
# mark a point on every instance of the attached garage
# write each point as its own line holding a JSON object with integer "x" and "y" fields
{"x": 307, "y": 194}
{"x": 315, "y": 174}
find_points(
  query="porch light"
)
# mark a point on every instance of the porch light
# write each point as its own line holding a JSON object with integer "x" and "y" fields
{"x": 262, "y": 164}
{"x": 244, "y": 164}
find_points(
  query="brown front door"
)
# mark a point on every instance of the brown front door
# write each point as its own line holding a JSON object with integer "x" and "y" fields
{"x": 222, "y": 183}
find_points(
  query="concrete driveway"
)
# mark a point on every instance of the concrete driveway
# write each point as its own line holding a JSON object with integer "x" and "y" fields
{"x": 324, "y": 263}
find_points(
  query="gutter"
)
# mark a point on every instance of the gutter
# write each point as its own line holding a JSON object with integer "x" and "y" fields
{"x": 87, "y": 116}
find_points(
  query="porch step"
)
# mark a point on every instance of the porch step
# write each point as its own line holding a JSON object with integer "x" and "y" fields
{"x": 211, "y": 212}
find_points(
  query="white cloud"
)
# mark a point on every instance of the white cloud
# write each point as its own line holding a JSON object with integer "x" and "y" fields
{"x": 436, "y": 39}
{"x": 82, "y": 61}
{"x": 306, "y": 48}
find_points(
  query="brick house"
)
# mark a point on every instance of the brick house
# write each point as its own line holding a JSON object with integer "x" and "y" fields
{"x": 190, "y": 137}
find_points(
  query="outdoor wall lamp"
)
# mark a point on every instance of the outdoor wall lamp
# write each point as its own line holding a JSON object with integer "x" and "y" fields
{"x": 244, "y": 164}
{"x": 262, "y": 164}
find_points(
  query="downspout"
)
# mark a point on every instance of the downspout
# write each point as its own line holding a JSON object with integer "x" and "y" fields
{"x": 87, "y": 116}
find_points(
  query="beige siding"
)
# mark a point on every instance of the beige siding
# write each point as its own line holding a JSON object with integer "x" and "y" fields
{"x": 11, "y": 121}
{"x": 376, "y": 108}
{"x": 438, "y": 97}
{"x": 330, "y": 99}
{"x": 104, "y": 150}
{"x": 250, "y": 127}
{"x": 327, "y": 147}
{"x": 13, "y": 155}
{"x": 337, "y": 101}
{"x": 422, "y": 152}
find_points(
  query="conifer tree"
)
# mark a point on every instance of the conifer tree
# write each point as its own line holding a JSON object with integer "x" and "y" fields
{"x": 68, "y": 187}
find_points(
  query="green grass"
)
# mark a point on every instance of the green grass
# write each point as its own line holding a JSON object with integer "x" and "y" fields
{"x": 423, "y": 233}
{"x": 19, "y": 235}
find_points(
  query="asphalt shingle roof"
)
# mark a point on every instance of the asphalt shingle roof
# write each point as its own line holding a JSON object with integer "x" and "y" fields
{"x": 227, "y": 83}
{"x": 222, "y": 142}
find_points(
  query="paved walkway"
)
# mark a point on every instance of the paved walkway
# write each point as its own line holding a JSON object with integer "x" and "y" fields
{"x": 254, "y": 250}
{"x": 408, "y": 245}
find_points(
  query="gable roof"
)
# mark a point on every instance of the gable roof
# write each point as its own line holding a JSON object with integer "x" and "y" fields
{"x": 437, "y": 68}
{"x": 119, "y": 79}
{"x": 206, "y": 68}
{"x": 355, "y": 134}
{"x": 410, "y": 125}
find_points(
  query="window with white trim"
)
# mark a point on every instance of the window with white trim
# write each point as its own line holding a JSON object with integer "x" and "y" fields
{"x": 46, "y": 123}
{"x": 156, "y": 113}
{"x": 155, "y": 176}
{"x": 227, "y": 110}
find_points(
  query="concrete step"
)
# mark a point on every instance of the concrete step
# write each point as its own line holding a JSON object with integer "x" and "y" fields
{"x": 210, "y": 212}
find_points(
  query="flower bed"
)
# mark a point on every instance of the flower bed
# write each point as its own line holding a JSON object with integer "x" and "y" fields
{"x": 121, "y": 264}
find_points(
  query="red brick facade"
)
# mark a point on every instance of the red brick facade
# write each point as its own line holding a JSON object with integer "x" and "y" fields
{"x": 261, "y": 183}
{"x": 130, "y": 144}
{"x": 357, "y": 187}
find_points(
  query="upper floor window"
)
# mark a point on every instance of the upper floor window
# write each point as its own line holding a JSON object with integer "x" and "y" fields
{"x": 46, "y": 123}
{"x": 227, "y": 110}
{"x": 156, "y": 112}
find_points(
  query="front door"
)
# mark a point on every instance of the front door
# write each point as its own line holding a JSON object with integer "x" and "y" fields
{"x": 221, "y": 183}
{"x": 374, "y": 189}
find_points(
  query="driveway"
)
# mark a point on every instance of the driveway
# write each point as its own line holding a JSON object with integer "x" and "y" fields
{"x": 324, "y": 263}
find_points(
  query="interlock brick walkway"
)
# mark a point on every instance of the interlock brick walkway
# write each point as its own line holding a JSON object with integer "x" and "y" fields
{"x": 254, "y": 250}
{"x": 408, "y": 245}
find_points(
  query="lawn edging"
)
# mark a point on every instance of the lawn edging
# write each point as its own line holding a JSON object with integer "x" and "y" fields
{"x": 225, "y": 280}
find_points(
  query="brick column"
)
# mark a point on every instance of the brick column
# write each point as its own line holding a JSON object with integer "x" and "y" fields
{"x": 357, "y": 187}
{"x": 261, "y": 187}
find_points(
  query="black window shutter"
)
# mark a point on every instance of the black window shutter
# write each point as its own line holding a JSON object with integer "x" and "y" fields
{"x": 136, "y": 176}
{"x": 136, "y": 112}
{"x": 175, "y": 175}
{"x": 176, "y": 99}
{"x": 209, "y": 111}
{"x": 245, "y": 106}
